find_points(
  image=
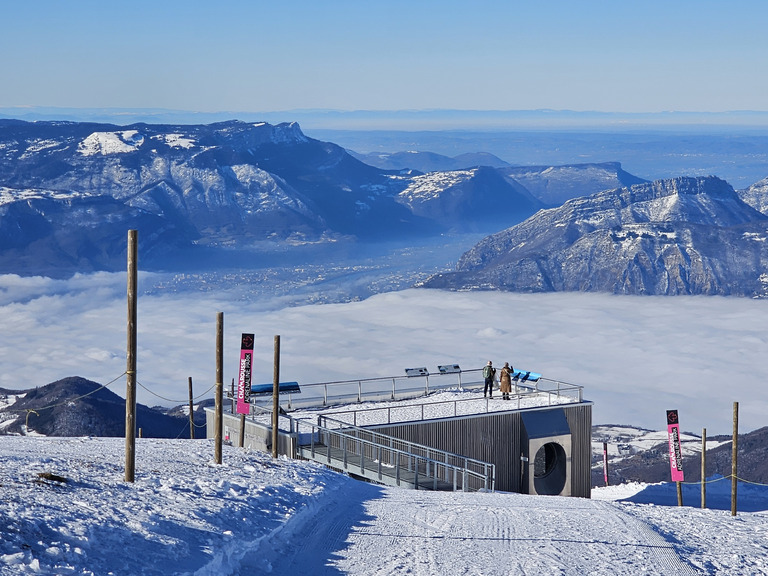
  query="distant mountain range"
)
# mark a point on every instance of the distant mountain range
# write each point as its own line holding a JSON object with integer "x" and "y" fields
{"x": 201, "y": 194}
{"x": 677, "y": 236}
{"x": 223, "y": 195}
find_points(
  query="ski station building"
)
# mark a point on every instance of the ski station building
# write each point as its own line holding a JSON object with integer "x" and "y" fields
{"x": 427, "y": 430}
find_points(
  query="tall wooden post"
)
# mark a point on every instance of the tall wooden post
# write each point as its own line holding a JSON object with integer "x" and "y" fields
{"x": 275, "y": 395}
{"x": 703, "y": 467}
{"x": 734, "y": 458}
{"x": 219, "y": 420}
{"x": 191, "y": 413}
{"x": 130, "y": 370}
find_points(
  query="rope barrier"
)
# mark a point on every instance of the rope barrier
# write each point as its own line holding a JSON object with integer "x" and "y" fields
{"x": 729, "y": 477}
{"x": 171, "y": 399}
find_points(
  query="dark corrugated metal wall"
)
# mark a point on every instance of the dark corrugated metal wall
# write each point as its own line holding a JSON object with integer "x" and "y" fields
{"x": 497, "y": 438}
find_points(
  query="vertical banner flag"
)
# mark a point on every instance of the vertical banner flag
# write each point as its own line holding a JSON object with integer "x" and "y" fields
{"x": 675, "y": 454}
{"x": 244, "y": 380}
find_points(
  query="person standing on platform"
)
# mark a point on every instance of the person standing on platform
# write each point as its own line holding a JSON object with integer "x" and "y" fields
{"x": 488, "y": 373}
{"x": 505, "y": 380}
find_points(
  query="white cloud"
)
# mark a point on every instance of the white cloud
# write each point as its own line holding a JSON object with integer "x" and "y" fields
{"x": 635, "y": 356}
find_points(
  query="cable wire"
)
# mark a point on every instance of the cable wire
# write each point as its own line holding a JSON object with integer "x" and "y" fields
{"x": 68, "y": 400}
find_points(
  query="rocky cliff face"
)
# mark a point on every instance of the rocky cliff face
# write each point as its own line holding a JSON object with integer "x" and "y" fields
{"x": 678, "y": 236}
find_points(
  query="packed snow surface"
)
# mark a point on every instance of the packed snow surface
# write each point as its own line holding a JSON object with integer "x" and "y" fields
{"x": 65, "y": 508}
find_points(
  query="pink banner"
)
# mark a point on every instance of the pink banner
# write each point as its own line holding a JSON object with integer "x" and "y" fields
{"x": 244, "y": 379}
{"x": 675, "y": 453}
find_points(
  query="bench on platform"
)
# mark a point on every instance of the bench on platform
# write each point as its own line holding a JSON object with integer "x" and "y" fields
{"x": 283, "y": 388}
{"x": 525, "y": 376}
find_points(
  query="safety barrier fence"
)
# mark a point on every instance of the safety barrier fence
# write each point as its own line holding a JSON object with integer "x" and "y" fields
{"x": 385, "y": 458}
{"x": 374, "y": 455}
{"x": 406, "y": 387}
{"x": 415, "y": 411}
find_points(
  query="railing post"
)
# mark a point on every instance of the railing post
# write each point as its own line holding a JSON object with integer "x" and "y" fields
{"x": 325, "y": 394}
{"x": 397, "y": 469}
{"x": 426, "y": 389}
{"x": 359, "y": 391}
{"x": 464, "y": 480}
{"x": 312, "y": 442}
{"x": 379, "y": 455}
{"x": 393, "y": 388}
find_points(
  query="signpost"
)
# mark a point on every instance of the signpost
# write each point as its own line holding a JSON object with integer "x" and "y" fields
{"x": 675, "y": 453}
{"x": 244, "y": 380}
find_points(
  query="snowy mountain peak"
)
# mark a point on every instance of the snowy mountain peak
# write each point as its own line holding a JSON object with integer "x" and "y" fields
{"x": 106, "y": 143}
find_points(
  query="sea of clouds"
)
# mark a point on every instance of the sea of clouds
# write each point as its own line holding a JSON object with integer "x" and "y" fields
{"x": 635, "y": 356}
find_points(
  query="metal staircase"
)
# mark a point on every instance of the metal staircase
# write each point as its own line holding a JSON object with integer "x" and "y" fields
{"x": 387, "y": 460}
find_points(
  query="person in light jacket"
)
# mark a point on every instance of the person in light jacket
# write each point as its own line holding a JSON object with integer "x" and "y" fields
{"x": 505, "y": 381}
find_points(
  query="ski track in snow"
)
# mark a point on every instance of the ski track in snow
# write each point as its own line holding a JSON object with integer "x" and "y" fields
{"x": 515, "y": 535}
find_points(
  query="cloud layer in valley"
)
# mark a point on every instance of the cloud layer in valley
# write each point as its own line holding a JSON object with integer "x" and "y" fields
{"x": 635, "y": 356}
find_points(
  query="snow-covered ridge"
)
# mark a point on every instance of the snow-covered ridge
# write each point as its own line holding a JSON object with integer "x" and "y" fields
{"x": 429, "y": 186}
{"x": 175, "y": 140}
{"x": 10, "y": 195}
{"x": 106, "y": 143}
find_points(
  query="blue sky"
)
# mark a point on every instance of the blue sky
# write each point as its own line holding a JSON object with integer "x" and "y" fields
{"x": 256, "y": 56}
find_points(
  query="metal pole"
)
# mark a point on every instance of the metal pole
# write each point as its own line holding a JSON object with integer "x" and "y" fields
{"x": 191, "y": 413}
{"x": 219, "y": 420}
{"x": 275, "y": 394}
{"x": 703, "y": 467}
{"x": 734, "y": 457}
{"x": 130, "y": 370}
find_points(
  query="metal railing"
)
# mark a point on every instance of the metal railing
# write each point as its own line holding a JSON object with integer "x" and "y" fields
{"x": 405, "y": 387}
{"x": 374, "y": 455}
{"x": 556, "y": 393}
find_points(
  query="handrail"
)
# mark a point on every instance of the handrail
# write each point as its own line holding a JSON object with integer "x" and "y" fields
{"x": 398, "y": 387}
{"x": 413, "y": 447}
{"x": 521, "y": 393}
{"x": 383, "y": 455}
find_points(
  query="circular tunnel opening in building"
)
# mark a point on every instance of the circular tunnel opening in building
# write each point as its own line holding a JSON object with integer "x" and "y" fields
{"x": 549, "y": 469}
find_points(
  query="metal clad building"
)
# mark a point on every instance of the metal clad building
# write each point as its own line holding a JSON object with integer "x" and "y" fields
{"x": 536, "y": 451}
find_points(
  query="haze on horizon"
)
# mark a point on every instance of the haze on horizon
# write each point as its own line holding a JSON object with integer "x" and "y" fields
{"x": 263, "y": 56}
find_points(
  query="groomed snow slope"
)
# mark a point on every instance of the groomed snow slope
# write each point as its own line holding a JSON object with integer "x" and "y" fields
{"x": 255, "y": 515}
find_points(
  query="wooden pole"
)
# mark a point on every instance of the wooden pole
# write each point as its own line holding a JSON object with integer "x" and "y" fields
{"x": 703, "y": 467}
{"x": 241, "y": 437}
{"x": 275, "y": 394}
{"x": 679, "y": 493}
{"x": 734, "y": 458}
{"x": 605, "y": 462}
{"x": 191, "y": 413}
{"x": 219, "y": 420}
{"x": 130, "y": 370}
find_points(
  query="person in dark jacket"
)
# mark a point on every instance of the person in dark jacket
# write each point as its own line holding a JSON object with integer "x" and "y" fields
{"x": 488, "y": 373}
